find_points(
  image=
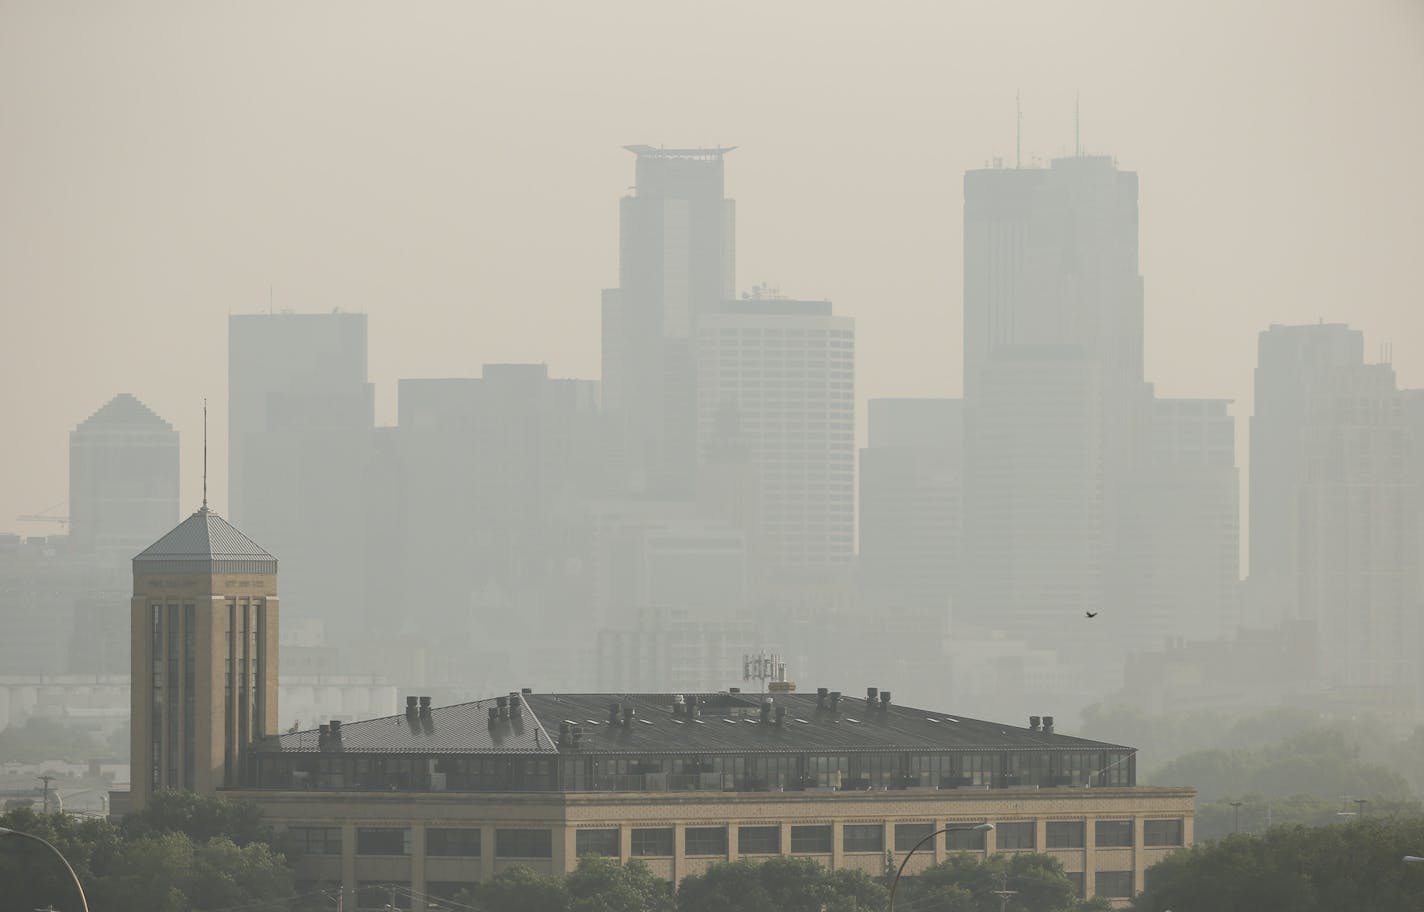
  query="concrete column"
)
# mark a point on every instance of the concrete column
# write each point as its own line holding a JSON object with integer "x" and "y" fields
{"x": 417, "y": 862}
{"x": 559, "y": 850}
{"x": 486, "y": 853}
{"x": 733, "y": 848}
{"x": 1139, "y": 860}
{"x": 348, "y": 865}
{"x": 1090, "y": 856}
{"x": 625, "y": 844}
{"x": 837, "y": 845}
{"x": 679, "y": 853}
{"x": 568, "y": 838}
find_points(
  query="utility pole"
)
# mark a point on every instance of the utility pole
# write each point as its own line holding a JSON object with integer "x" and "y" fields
{"x": 1004, "y": 893}
{"x": 1236, "y": 806}
{"x": 46, "y": 780}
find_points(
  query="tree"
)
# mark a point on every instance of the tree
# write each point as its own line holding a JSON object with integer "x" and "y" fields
{"x": 32, "y": 877}
{"x": 726, "y": 887}
{"x": 41, "y": 739}
{"x": 964, "y": 883}
{"x": 601, "y": 884}
{"x": 201, "y": 817}
{"x": 1294, "y": 869}
{"x": 518, "y": 889}
{"x": 854, "y": 891}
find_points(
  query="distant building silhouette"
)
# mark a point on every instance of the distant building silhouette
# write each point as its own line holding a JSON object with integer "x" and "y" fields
{"x": 1054, "y": 391}
{"x": 303, "y": 468}
{"x": 787, "y": 369}
{"x": 911, "y": 505}
{"x": 676, "y": 258}
{"x": 123, "y": 479}
{"x": 1295, "y": 366}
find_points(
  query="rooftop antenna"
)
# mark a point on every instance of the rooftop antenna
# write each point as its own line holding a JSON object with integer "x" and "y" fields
{"x": 205, "y": 455}
{"x": 1018, "y": 131}
{"x": 1077, "y": 127}
{"x": 271, "y": 292}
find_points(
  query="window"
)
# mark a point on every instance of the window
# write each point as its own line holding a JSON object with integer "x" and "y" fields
{"x": 705, "y": 840}
{"x": 523, "y": 844}
{"x": 596, "y": 842}
{"x": 1076, "y": 879}
{"x": 460, "y": 843}
{"x": 1018, "y": 834}
{"x": 1065, "y": 834}
{"x": 316, "y": 840}
{"x": 1162, "y": 832}
{"x": 759, "y": 840}
{"x": 964, "y": 840}
{"x": 1114, "y": 833}
{"x": 382, "y": 841}
{"x": 1114, "y": 884}
{"x": 652, "y": 841}
{"x": 811, "y": 840}
{"x": 908, "y": 835}
{"x": 862, "y": 837}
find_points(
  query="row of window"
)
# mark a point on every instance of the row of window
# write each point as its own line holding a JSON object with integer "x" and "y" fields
{"x": 513, "y": 842}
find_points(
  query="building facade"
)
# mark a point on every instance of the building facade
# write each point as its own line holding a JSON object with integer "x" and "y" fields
{"x": 786, "y": 369}
{"x": 123, "y": 479}
{"x": 422, "y": 805}
{"x": 204, "y": 628}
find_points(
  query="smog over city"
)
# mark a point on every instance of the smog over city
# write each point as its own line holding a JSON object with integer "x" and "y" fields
{"x": 434, "y": 428}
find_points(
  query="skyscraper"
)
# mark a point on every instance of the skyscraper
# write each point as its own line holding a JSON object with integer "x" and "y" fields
{"x": 301, "y": 450}
{"x": 911, "y": 489}
{"x": 123, "y": 479}
{"x": 204, "y": 660}
{"x": 1295, "y": 366}
{"x": 786, "y": 369}
{"x": 1054, "y": 391}
{"x": 676, "y": 258}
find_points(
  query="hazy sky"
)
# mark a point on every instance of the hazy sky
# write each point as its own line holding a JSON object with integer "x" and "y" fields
{"x": 453, "y": 169}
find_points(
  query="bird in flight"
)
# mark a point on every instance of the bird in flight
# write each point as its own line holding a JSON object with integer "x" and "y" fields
{"x": 1091, "y": 614}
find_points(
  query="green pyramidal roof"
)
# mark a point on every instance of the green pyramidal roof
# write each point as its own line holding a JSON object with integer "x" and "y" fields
{"x": 205, "y": 541}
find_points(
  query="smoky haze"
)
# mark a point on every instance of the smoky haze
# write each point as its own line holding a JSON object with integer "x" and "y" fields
{"x": 399, "y": 251}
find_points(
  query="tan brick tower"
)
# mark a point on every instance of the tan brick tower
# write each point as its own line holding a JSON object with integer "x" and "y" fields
{"x": 204, "y": 628}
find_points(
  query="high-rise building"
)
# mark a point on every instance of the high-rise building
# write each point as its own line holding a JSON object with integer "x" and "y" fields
{"x": 1181, "y": 521}
{"x": 676, "y": 258}
{"x": 292, "y": 373}
{"x": 303, "y": 464}
{"x": 1358, "y": 536}
{"x": 1054, "y": 391}
{"x": 787, "y": 370}
{"x": 123, "y": 479}
{"x": 911, "y": 488}
{"x": 204, "y": 656}
{"x": 1295, "y": 367}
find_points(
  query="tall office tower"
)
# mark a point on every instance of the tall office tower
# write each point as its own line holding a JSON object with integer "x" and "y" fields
{"x": 1295, "y": 366}
{"x": 911, "y": 488}
{"x": 123, "y": 479}
{"x": 1359, "y": 536}
{"x": 676, "y": 241}
{"x": 1053, "y": 387}
{"x": 291, "y": 374}
{"x": 494, "y": 472}
{"x": 204, "y": 661}
{"x": 1181, "y": 520}
{"x": 787, "y": 370}
{"x": 300, "y": 444}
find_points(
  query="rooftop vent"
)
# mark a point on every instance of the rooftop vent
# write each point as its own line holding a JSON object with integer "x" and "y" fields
{"x": 1035, "y": 723}
{"x": 884, "y": 699}
{"x": 613, "y": 710}
{"x": 834, "y": 701}
{"x": 821, "y": 693}
{"x": 410, "y": 706}
{"x": 1048, "y": 725}
{"x": 425, "y": 707}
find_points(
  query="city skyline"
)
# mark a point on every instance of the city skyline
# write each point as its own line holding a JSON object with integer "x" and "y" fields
{"x": 452, "y": 269}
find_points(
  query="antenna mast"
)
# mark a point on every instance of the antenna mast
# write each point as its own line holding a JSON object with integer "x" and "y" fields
{"x": 1018, "y": 131}
{"x": 205, "y": 455}
{"x": 1077, "y": 130}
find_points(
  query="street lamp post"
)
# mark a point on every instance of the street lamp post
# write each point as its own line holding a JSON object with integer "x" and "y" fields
{"x": 1414, "y": 859}
{"x": 83, "y": 902}
{"x": 1236, "y": 806}
{"x": 981, "y": 828}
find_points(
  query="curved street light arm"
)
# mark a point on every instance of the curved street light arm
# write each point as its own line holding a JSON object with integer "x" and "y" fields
{"x": 83, "y": 900}
{"x": 894, "y": 884}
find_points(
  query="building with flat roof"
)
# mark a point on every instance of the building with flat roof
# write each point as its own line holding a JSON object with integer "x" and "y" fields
{"x": 439, "y": 798}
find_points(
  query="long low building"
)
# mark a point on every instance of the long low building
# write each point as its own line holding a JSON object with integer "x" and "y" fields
{"x": 433, "y": 801}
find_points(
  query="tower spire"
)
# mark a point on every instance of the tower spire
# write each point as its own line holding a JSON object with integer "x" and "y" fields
{"x": 1077, "y": 131}
{"x": 205, "y": 455}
